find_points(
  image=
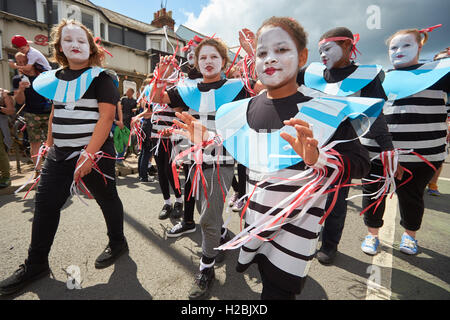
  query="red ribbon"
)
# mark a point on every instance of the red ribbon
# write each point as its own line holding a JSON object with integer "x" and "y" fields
{"x": 97, "y": 41}
{"x": 192, "y": 43}
{"x": 354, "y": 42}
{"x": 429, "y": 29}
{"x": 234, "y": 60}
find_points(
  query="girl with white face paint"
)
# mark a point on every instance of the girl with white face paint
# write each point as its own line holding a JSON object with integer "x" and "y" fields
{"x": 404, "y": 50}
{"x": 75, "y": 140}
{"x": 75, "y": 45}
{"x": 330, "y": 53}
{"x": 416, "y": 117}
{"x": 201, "y": 101}
{"x": 337, "y": 48}
{"x": 277, "y": 57}
{"x": 210, "y": 63}
{"x": 283, "y": 262}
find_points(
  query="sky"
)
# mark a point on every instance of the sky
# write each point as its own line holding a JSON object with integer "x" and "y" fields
{"x": 373, "y": 20}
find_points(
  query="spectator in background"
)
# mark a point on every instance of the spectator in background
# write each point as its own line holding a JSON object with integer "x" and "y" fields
{"x": 129, "y": 107}
{"x": 36, "y": 60}
{"x": 37, "y": 108}
{"x": 6, "y": 109}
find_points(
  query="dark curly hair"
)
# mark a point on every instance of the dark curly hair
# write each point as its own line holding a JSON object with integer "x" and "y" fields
{"x": 291, "y": 26}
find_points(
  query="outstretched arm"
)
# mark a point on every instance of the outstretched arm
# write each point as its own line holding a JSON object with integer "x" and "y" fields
{"x": 163, "y": 69}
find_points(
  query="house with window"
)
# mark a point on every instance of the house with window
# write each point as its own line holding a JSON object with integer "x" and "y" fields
{"x": 134, "y": 45}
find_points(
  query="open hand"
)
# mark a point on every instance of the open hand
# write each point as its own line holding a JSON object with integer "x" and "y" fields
{"x": 165, "y": 66}
{"x": 247, "y": 41}
{"x": 191, "y": 128}
{"x": 304, "y": 144}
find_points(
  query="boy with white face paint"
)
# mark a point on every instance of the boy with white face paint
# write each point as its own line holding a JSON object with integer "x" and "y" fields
{"x": 416, "y": 116}
{"x": 284, "y": 260}
{"x": 78, "y": 134}
{"x": 337, "y": 48}
{"x": 202, "y": 100}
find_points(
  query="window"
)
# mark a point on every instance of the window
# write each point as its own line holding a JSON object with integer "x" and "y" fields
{"x": 102, "y": 30}
{"x": 88, "y": 20}
{"x": 115, "y": 34}
{"x": 156, "y": 44}
{"x": 134, "y": 39}
{"x": 54, "y": 12}
{"x": 22, "y": 8}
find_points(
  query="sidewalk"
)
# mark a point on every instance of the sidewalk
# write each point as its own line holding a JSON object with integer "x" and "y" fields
{"x": 26, "y": 168}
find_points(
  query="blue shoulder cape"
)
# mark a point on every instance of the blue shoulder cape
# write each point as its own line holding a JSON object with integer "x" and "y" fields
{"x": 360, "y": 78}
{"x": 399, "y": 84}
{"x": 211, "y": 101}
{"x": 268, "y": 152}
{"x": 50, "y": 87}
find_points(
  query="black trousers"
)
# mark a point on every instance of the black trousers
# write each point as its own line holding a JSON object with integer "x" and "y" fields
{"x": 189, "y": 202}
{"x": 273, "y": 291}
{"x": 146, "y": 151}
{"x": 239, "y": 185}
{"x": 334, "y": 223}
{"x": 164, "y": 165}
{"x": 410, "y": 197}
{"x": 52, "y": 192}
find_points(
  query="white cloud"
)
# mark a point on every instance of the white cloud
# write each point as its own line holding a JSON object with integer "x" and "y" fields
{"x": 226, "y": 17}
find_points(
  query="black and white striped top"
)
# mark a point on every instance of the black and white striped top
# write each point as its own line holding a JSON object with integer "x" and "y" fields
{"x": 74, "y": 122}
{"x": 418, "y": 122}
{"x": 288, "y": 256}
{"x": 162, "y": 118}
{"x": 212, "y": 155}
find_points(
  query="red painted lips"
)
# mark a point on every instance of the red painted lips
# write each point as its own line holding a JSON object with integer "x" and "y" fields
{"x": 270, "y": 71}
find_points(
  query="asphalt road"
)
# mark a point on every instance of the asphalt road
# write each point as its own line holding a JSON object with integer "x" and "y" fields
{"x": 162, "y": 269}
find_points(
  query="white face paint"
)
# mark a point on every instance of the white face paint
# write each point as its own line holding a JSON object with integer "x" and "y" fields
{"x": 209, "y": 61}
{"x": 403, "y": 50}
{"x": 74, "y": 43}
{"x": 276, "y": 56}
{"x": 191, "y": 57}
{"x": 330, "y": 53}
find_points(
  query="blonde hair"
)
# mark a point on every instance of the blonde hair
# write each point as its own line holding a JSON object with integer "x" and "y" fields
{"x": 418, "y": 35}
{"x": 216, "y": 43}
{"x": 97, "y": 55}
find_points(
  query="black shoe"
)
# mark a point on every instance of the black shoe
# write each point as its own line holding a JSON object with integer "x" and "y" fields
{"x": 110, "y": 255}
{"x": 143, "y": 179}
{"x": 177, "y": 211}
{"x": 222, "y": 253}
{"x": 326, "y": 254}
{"x": 26, "y": 274}
{"x": 165, "y": 211}
{"x": 180, "y": 229}
{"x": 202, "y": 284}
{"x": 152, "y": 171}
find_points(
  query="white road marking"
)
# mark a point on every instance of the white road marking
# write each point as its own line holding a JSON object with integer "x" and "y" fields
{"x": 383, "y": 260}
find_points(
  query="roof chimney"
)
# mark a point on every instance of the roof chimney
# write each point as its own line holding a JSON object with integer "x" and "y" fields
{"x": 163, "y": 18}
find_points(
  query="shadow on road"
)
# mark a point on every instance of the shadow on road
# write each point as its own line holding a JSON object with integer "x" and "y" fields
{"x": 405, "y": 286}
{"x": 122, "y": 285}
{"x": 437, "y": 203}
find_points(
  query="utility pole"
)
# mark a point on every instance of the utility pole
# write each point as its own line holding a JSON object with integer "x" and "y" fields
{"x": 49, "y": 15}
